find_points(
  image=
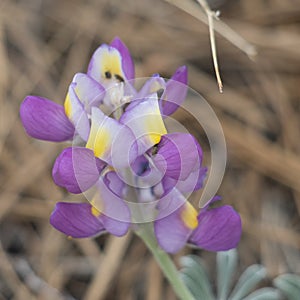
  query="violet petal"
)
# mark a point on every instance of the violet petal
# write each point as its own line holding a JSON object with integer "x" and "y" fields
{"x": 76, "y": 220}
{"x": 114, "y": 211}
{"x": 192, "y": 183}
{"x": 114, "y": 183}
{"x": 170, "y": 230}
{"x": 175, "y": 92}
{"x": 178, "y": 155}
{"x": 45, "y": 120}
{"x": 77, "y": 169}
{"x": 219, "y": 229}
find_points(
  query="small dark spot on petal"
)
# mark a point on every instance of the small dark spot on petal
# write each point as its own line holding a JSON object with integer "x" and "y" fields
{"x": 160, "y": 93}
{"x": 118, "y": 77}
{"x": 107, "y": 75}
{"x": 154, "y": 149}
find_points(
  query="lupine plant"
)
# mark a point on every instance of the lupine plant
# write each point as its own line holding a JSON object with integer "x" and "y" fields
{"x": 136, "y": 175}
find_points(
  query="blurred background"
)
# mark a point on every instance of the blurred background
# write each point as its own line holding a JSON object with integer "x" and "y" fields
{"x": 43, "y": 43}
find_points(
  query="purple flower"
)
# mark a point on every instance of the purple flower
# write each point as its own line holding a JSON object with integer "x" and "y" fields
{"x": 78, "y": 170}
{"x": 213, "y": 229}
{"x": 46, "y": 120}
{"x": 163, "y": 167}
{"x": 109, "y": 81}
{"x": 177, "y": 157}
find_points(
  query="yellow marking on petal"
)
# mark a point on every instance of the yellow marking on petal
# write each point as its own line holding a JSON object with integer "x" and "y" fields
{"x": 111, "y": 63}
{"x": 107, "y": 170}
{"x": 155, "y": 126}
{"x": 155, "y": 138}
{"x": 189, "y": 216}
{"x": 155, "y": 87}
{"x": 78, "y": 92}
{"x": 99, "y": 141}
{"x": 95, "y": 212}
{"x": 68, "y": 106}
{"x": 69, "y": 237}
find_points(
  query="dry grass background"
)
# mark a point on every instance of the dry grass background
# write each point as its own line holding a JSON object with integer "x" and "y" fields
{"x": 44, "y": 42}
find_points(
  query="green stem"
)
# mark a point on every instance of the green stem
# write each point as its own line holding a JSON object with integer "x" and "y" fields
{"x": 145, "y": 232}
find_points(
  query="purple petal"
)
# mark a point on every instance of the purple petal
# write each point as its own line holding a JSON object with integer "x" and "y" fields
{"x": 152, "y": 85}
{"x": 45, "y": 120}
{"x": 115, "y": 213}
{"x": 140, "y": 166}
{"x": 171, "y": 228}
{"x": 175, "y": 92}
{"x": 77, "y": 169}
{"x": 115, "y": 227}
{"x": 147, "y": 175}
{"x": 171, "y": 233}
{"x": 219, "y": 229}
{"x": 178, "y": 155}
{"x": 114, "y": 183}
{"x": 214, "y": 199}
{"x": 127, "y": 62}
{"x": 76, "y": 220}
{"x": 192, "y": 183}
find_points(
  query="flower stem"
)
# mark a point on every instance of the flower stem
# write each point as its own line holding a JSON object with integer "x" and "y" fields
{"x": 167, "y": 266}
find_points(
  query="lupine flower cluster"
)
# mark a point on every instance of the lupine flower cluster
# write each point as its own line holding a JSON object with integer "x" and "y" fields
{"x": 124, "y": 161}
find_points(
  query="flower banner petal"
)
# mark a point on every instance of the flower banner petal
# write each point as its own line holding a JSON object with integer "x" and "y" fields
{"x": 106, "y": 65}
{"x": 45, "y": 120}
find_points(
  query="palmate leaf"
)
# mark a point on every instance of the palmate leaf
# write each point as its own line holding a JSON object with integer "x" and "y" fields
{"x": 289, "y": 285}
{"x": 226, "y": 266}
{"x": 264, "y": 294}
{"x": 248, "y": 281}
{"x": 195, "y": 277}
{"x": 193, "y": 273}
